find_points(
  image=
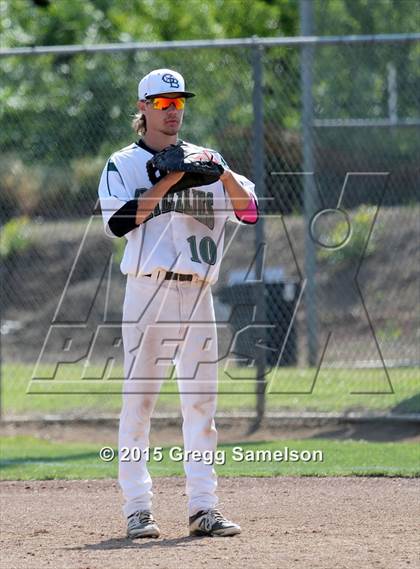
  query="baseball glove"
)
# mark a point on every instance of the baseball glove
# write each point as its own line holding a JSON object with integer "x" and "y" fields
{"x": 198, "y": 163}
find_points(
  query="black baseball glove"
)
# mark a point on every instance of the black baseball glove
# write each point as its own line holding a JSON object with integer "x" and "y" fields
{"x": 197, "y": 162}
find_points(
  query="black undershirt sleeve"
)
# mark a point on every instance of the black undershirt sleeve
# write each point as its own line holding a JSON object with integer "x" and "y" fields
{"x": 124, "y": 220}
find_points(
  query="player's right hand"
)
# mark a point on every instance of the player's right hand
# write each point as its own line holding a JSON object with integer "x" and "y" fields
{"x": 174, "y": 177}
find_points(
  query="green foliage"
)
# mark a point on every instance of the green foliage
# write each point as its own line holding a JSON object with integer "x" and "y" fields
{"x": 118, "y": 248}
{"x": 86, "y": 173}
{"x": 99, "y": 21}
{"x": 345, "y": 17}
{"x": 15, "y": 237}
{"x": 56, "y": 110}
{"x": 48, "y": 190}
{"x": 361, "y": 222}
{"x": 390, "y": 332}
{"x": 20, "y": 186}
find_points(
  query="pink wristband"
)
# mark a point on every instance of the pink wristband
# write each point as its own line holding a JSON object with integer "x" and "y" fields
{"x": 250, "y": 214}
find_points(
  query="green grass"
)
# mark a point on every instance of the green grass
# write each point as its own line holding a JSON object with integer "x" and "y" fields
{"x": 289, "y": 388}
{"x": 30, "y": 458}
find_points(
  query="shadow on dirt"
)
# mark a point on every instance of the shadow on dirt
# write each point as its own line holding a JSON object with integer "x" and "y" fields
{"x": 125, "y": 543}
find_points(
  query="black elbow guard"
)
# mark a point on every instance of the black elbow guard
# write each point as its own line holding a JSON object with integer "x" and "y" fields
{"x": 124, "y": 220}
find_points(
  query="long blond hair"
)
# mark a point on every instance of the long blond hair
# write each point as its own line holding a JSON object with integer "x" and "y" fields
{"x": 139, "y": 124}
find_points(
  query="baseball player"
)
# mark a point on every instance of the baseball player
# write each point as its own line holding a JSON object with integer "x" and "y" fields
{"x": 174, "y": 245}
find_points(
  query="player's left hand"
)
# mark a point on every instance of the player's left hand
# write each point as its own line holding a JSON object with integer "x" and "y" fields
{"x": 198, "y": 164}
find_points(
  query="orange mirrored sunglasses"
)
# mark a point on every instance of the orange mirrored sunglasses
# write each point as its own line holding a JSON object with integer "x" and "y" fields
{"x": 163, "y": 103}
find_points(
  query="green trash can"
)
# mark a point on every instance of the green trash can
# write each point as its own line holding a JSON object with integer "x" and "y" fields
{"x": 280, "y": 331}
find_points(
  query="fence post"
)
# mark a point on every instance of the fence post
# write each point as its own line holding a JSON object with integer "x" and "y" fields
{"x": 309, "y": 195}
{"x": 258, "y": 153}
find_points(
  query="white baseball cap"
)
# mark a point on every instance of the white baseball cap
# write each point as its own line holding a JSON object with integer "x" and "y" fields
{"x": 162, "y": 82}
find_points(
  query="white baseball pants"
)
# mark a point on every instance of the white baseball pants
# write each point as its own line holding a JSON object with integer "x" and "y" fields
{"x": 168, "y": 323}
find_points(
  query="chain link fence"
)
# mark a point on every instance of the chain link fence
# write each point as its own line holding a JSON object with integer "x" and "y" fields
{"x": 319, "y": 301}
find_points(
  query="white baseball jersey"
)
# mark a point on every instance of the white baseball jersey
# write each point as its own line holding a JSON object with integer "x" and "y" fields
{"x": 184, "y": 233}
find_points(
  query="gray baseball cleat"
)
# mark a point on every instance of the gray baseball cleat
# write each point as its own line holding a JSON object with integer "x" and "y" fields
{"x": 142, "y": 524}
{"x": 213, "y": 523}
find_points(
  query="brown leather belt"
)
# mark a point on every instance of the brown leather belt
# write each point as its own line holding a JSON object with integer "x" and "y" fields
{"x": 175, "y": 276}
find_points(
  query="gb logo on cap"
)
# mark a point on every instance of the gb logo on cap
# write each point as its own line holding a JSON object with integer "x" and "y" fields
{"x": 173, "y": 81}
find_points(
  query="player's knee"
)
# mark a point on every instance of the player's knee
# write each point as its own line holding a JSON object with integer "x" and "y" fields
{"x": 202, "y": 408}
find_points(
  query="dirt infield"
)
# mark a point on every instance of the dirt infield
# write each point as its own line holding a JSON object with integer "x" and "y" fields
{"x": 303, "y": 523}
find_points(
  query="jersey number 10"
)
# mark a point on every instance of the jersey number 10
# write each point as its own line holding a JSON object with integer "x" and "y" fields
{"x": 207, "y": 249}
